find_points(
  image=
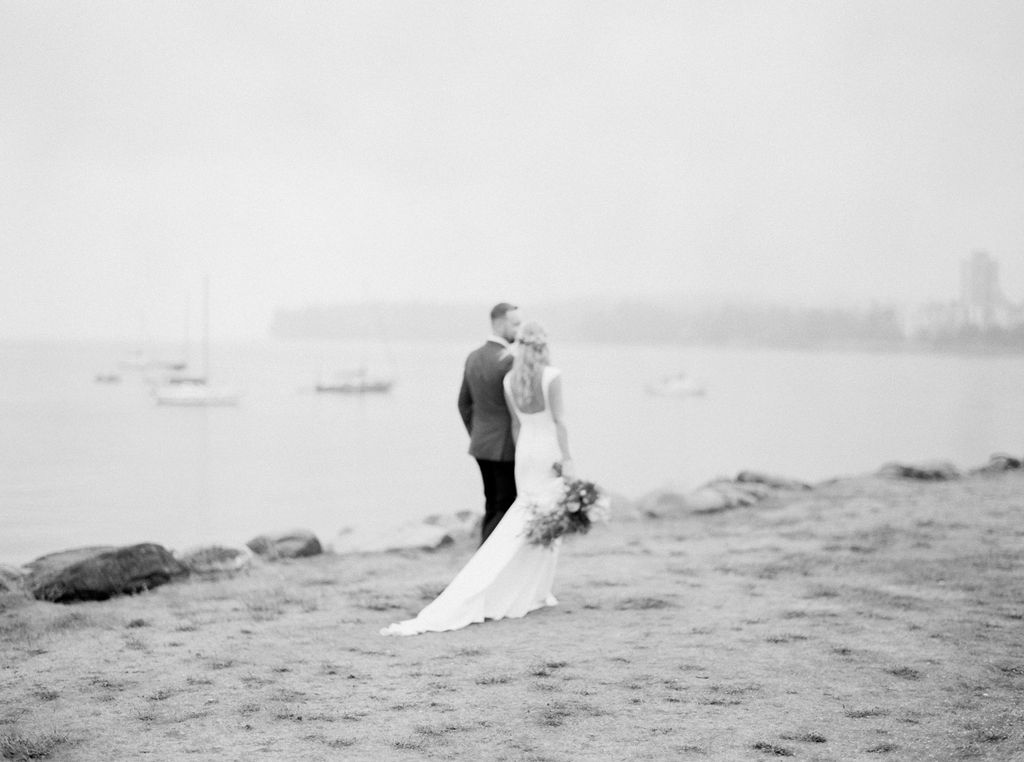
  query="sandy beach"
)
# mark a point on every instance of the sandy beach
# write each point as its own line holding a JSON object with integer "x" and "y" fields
{"x": 865, "y": 619}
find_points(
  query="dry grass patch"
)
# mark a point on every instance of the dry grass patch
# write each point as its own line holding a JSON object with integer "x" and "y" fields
{"x": 860, "y": 714}
{"x": 882, "y": 748}
{"x": 71, "y": 621}
{"x": 786, "y": 637}
{"x": 771, "y": 748}
{"x": 46, "y": 694}
{"x": 645, "y": 603}
{"x": 381, "y": 604}
{"x": 822, "y": 592}
{"x": 340, "y": 743}
{"x": 493, "y": 680}
{"x": 546, "y": 668}
{"x": 429, "y": 591}
{"x": 804, "y": 737}
{"x": 557, "y": 712}
{"x": 161, "y": 694}
{"x": 16, "y": 745}
{"x": 284, "y": 655}
{"x": 907, "y": 673}
{"x": 101, "y": 681}
{"x": 134, "y": 643}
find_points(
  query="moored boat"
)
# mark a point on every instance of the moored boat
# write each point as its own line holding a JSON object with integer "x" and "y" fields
{"x": 197, "y": 391}
{"x": 358, "y": 381}
{"x": 676, "y": 385}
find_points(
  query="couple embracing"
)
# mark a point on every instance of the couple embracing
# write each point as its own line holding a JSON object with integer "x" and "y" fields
{"x": 511, "y": 403}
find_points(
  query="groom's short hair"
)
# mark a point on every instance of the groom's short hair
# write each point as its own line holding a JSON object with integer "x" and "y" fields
{"x": 501, "y": 309}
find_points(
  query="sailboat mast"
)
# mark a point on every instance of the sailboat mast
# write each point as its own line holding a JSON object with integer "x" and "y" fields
{"x": 185, "y": 340}
{"x": 206, "y": 327}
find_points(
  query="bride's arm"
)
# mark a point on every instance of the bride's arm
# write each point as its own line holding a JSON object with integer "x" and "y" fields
{"x": 558, "y": 414}
{"x": 512, "y": 414}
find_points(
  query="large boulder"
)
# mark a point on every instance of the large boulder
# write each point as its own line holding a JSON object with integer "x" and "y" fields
{"x": 296, "y": 543}
{"x": 934, "y": 471}
{"x": 771, "y": 480}
{"x": 721, "y": 494}
{"x": 999, "y": 463}
{"x": 416, "y": 535}
{"x": 97, "y": 573}
{"x": 211, "y": 560}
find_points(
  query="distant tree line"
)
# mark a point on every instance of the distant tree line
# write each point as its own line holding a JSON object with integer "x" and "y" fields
{"x": 972, "y": 338}
{"x": 642, "y": 321}
{"x": 744, "y": 325}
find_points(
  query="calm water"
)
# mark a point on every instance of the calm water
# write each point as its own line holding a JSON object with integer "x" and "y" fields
{"x": 88, "y": 463}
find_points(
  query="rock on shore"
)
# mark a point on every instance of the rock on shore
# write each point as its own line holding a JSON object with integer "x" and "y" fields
{"x": 295, "y": 543}
{"x": 935, "y": 470}
{"x": 216, "y": 559}
{"x": 998, "y": 463}
{"x": 97, "y": 573}
{"x": 748, "y": 488}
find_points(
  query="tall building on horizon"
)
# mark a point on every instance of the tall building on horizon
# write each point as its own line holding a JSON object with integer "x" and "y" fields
{"x": 981, "y": 298}
{"x": 981, "y": 306}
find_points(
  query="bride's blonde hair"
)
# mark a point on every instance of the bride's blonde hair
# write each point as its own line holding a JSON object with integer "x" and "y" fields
{"x": 531, "y": 357}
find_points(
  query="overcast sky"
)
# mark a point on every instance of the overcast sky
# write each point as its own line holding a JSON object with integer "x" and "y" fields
{"x": 310, "y": 152}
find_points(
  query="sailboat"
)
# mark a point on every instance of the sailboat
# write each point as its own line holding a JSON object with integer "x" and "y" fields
{"x": 196, "y": 391}
{"x": 676, "y": 385}
{"x": 138, "y": 359}
{"x": 356, "y": 381}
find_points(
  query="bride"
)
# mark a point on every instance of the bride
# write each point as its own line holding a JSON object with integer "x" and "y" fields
{"x": 509, "y": 577}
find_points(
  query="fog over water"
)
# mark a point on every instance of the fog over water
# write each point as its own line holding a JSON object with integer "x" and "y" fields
{"x": 310, "y": 153}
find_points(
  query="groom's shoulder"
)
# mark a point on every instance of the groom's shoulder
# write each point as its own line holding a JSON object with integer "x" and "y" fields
{"x": 478, "y": 352}
{"x": 477, "y": 356}
{"x": 486, "y": 351}
{"x": 486, "y": 358}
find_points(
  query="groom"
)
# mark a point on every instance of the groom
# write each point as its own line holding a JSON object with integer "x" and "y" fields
{"x": 488, "y": 421}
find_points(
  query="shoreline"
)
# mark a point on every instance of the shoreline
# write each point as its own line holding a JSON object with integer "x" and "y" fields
{"x": 866, "y": 617}
{"x": 337, "y": 542}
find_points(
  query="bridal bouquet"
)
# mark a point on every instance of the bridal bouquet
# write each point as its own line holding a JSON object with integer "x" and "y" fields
{"x": 579, "y": 505}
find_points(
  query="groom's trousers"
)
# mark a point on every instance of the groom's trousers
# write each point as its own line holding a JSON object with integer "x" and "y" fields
{"x": 499, "y": 492}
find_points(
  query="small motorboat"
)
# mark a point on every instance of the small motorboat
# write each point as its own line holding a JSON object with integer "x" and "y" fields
{"x": 676, "y": 385}
{"x": 195, "y": 393}
{"x": 357, "y": 381}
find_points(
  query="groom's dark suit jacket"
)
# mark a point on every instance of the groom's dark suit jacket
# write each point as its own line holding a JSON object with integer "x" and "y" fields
{"x": 482, "y": 403}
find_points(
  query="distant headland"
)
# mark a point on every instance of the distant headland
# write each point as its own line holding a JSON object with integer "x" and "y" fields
{"x": 876, "y": 328}
{"x": 981, "y": 320}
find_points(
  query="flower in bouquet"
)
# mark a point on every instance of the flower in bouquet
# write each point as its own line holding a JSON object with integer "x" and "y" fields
{"x": 580, "y": 503}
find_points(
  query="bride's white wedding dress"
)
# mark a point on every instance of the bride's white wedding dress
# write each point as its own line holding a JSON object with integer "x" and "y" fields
{"x": 507, "y": 577}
